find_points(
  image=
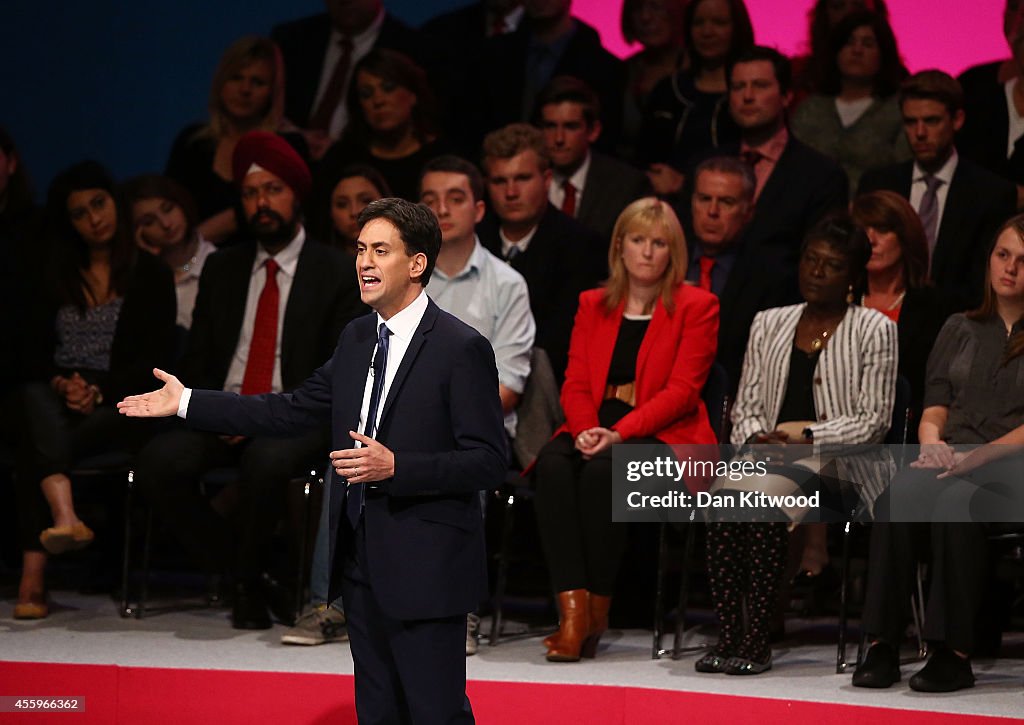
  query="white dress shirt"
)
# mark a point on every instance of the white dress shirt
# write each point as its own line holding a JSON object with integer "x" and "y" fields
{"x": 186, "y": 288}
{"x": 556, "y": 192}
{"x": 1016, "y": 120}
{"x": 918, "y": 187}
{"x": 362, "y": 44}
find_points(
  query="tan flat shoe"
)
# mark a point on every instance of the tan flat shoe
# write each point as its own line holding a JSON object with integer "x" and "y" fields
{"x": 31, "y": 610}
{"x": 59, "y": 539}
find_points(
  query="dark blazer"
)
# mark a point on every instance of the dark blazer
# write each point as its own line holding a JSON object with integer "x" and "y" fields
{"x": 584, "y": 57}
{"x": 987, "y": 123}
{"x": 922, "y": 315}
{"x": 442, "y": 420}
{"x": 303, "y": 44}
{"x": 324, "y": 297}
{"x": 757, "y": 281}
{"x": 804, "y": 186}
{"x": 564, "y": 259}
{"x": 609, "y": 187}
{"x": 143, "y": 338}
{"x": 977, "y": 203}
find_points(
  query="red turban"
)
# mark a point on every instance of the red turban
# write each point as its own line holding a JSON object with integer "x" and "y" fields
{"x": 271, "y": 152}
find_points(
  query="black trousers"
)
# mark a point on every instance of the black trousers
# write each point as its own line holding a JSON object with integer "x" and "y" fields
{"x": 167, "y": 471}
{"x": 573, "y": 503}
{"x": 405, "y": 671}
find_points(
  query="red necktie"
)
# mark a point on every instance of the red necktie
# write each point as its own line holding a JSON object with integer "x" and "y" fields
{"x": 259, "y": 368}
{"x": 321, "y": 117}
{"x": 569, "y": 201}
{"x": 706, "y": 265}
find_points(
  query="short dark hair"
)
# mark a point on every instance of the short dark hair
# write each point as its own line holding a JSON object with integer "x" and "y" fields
{"x": 416, "y": 224}
{"x": 567, "y": 89}
{"x": 452, "y": 164}
{"x": 891, "y": 70}
{"x": 780, "y": 64}
{"x": 512, "y": 140}
{"x": 733, "y": 165}
{"x": 742, "y": 31}
{"x": 154, "y": 186}
{"x": 840, "y": 232}
{"x": 933, "y": 85}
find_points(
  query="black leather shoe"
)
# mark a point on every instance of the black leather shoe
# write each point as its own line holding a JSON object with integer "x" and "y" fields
{"x": 280, "y": 599}
{"x": 743, "y": 666}
{"x": 250, "y": 608}
{"x": 880, "y": 668}
{"x": 945, "y": 672}
{"x": 711, "y": 662}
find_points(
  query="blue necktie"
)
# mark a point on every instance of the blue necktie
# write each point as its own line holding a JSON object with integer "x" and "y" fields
{"x": 354, "y": 500}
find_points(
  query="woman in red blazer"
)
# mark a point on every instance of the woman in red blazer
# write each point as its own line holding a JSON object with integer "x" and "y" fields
{"x": 640, "y": 352}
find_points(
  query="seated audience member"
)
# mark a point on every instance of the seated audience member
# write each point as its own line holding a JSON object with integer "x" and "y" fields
{"x": 586, "y": 184}
{"x": 641, "y": 350}
{"x": 744, "y": 279}
{"x": 657, "y": 26}
{"x": 822, "y": 18}
{"x": 960, "y": 203}
{"x": 549, "y": 42}
{"x": 687, "y": 114}
{"x": 247, "y": 94}
{"x": 268, "y": 312}
{"x": 796, "y": 185}
{"x": 392, "y": 124}
{"x": 478, "y": 288}
{"x": 164, "y": 224}
{"x": 896, "y": 284}
{"x": 20, "y": 224}
{"x": 973, "y": 395}
{"x": 339, "y": 197}
{"x": 100, "y": 324}
{"x": 319, "y": 54}
{"x": 823, "y": 371}
{"x": 558, "y": 256}
{"x": 854, "y": 117}
{"x": 994, "y": 102}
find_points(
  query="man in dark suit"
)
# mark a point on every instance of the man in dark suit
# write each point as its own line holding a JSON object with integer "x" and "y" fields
{"x": 588, "y": 185}
{"x": 407, "y": 533}
{"x": 960, "y": 204}
{"x": 744, "y": 278}
{"x": 796, "y": 185}
{"x": 319, "y": 54}
{"x": 267, "y": 313}
{"x": 558, "y": 256}
{"x": 550, "y": 42}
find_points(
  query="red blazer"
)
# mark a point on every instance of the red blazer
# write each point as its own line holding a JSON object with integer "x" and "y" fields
{"x": 675, "y": 356}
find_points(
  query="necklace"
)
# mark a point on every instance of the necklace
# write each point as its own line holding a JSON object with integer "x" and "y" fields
{"x": 187, "y": 267}
{"x": 896, "y": 303}
{"x": 819, "y": 342}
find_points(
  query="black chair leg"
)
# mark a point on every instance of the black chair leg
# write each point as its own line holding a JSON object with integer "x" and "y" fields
{"x": 497, "y": 605}
{"x": 841, "y": 663}
{"x": 684, "y": 593}
{"x": 146, "y": 549}
{"x": 303, "y": 545}
{"x": 126, "y": 608}
{"x": 659, "y": 594}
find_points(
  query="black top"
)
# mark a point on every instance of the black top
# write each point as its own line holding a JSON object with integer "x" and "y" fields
{"x": 402, "y": 175}
{"x": 627, "y": 348}
{"x": 967, "y": 374}
{"x": 798, "y": 403}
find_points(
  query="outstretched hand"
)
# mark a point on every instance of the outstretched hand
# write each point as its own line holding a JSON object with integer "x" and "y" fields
{"x": 157, "y": 404}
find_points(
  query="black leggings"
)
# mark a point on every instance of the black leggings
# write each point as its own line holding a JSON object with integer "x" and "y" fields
{"x": 745, "y": 564}
{"x": 573, "y": 503}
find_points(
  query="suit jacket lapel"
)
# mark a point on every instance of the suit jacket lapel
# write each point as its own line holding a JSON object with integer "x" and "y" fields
{"x": 300, "y": 301}
{"x": 951, "y": 232}
{"x": 657, "y": 325}
{"x": 354, "y": 366}
{"x": 604, "y": 337}
{"x": 236, "y": 292}
{"x": 418, "y": 338}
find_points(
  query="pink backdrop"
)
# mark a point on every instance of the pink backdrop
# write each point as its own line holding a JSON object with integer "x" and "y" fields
{"x": 946, "y": 34}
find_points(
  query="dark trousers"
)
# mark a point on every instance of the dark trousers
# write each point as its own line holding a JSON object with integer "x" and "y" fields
{"x": 167, "y": 471}
{"x": 51, "y": 439}
{"x": 405, "y": 671}
{"x": 957, "y": 554}
{"x": 573, "y": 504}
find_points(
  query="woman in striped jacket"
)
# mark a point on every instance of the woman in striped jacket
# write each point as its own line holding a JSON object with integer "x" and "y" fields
{"x": 823, "y": 371}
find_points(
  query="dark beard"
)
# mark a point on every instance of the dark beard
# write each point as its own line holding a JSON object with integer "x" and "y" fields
{"x": 272, "y": 230}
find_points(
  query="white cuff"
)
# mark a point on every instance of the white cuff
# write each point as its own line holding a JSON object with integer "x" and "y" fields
{"x": 186, "y": 395}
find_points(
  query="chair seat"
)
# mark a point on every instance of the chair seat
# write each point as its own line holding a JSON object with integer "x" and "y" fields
{"x": 110, "y": 462}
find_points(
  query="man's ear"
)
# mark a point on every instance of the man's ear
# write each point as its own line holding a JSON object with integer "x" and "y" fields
{"x": 418, "y": 264}
{"x": 481, "y": 209}
{"x": 594, "y": 132}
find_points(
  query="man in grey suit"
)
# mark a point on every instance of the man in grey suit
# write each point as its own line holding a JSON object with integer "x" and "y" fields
{"x": 586, "y": 184}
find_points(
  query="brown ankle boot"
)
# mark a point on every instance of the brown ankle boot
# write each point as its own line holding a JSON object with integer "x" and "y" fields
{"x": 573, "y": 628}
{"x": 599, "y": 606}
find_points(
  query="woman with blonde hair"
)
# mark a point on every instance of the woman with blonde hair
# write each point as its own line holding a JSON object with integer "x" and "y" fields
{"x": 641, "y": 349}
{"x": 247, "y": 94}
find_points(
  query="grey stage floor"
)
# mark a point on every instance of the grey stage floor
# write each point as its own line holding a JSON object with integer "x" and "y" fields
{"x": 88, "y": 630}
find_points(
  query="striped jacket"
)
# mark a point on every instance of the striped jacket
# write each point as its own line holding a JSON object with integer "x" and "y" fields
{"x": 854, "y": 380}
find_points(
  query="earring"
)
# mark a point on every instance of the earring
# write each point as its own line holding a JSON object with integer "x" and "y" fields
{"x": 849, "y": 295}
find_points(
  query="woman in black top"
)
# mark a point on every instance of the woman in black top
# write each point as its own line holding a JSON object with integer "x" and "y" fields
{"x": 101, "y": 326}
